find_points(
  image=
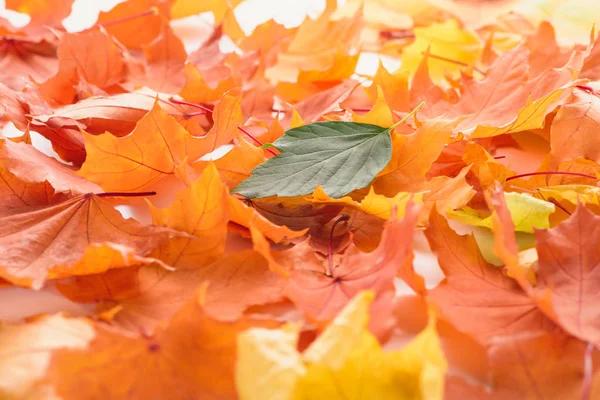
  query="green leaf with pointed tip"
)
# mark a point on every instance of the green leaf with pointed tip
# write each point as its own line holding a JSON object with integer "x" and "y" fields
{"x": 336, "y": 155}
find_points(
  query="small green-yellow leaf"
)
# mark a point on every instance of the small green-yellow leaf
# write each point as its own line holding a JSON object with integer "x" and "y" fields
{"x": 526, "y": 211}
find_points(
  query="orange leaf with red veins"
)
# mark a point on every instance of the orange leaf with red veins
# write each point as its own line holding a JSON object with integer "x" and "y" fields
{"x": 506, "y": 101}
{"x": 495, "y": 100}
{"x": 573, "y": 128}
{"x": 65, "y": 237}
{"x": 568, "y": 272}
{"x": 42, "y": 13}
{"x": 236, "y": 283}
{"x": 542, "y": 366}
{"x": 165, "y": 57}
{"x": 116, "y": 114}
{"x": 25, "y": 58}
{"x": 17, "y": 195}
{"x": 192, "y": 355}
{"x": 157, "y": 147}
{"x": 200, "y": 210}
{"x": 32, "y": 166}
{"x": 476, "y": 296}
{"x": 412, "y": 156}
{"x": 135, "y": 23}
{"x": 579, "y": 171}
{"x": 321, "y": 291}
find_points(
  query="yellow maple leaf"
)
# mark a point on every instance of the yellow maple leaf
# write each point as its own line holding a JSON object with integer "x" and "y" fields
{"x": 445, "y": 40}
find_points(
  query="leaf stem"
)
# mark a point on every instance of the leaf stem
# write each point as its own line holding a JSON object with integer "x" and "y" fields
{"x": 125, "y": 194}
{"x": 556, "y": 203}
{"x": 510, "y": 178}
{"x": 464, "y": 64}
{"x": 586, "y": 88}
{"x": 342, "y": 218}
{"x": 256, "y": 140}
{"x": 195, "y": 114}
{"x": 186, "y": 103}
{"x": 151, "y": 11}
{"x": 410, "y": 114}
{"x": 388, "y": 35}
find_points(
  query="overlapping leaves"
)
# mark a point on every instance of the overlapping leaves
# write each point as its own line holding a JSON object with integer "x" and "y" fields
{"x": 269, "y": 222}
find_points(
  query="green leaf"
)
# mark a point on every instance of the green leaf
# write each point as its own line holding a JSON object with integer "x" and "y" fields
{"x": 339, "y": 156}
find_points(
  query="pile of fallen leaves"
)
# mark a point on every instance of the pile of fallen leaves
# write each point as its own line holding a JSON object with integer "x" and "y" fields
{"x": 279, "y": 197}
